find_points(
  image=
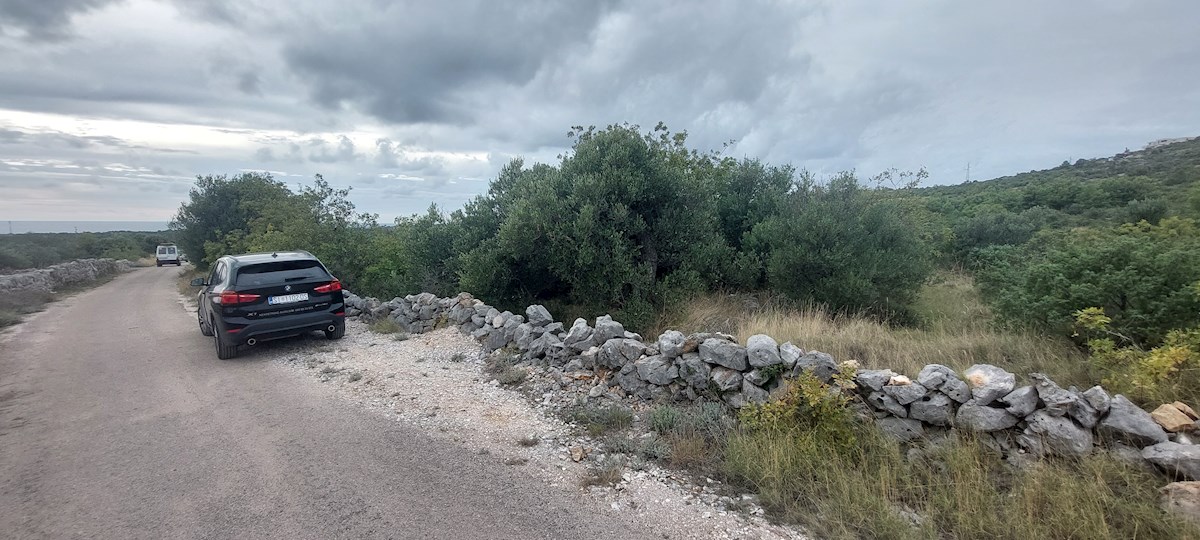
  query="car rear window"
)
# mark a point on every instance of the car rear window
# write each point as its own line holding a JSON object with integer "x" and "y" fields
{"x": 274, "y": 273}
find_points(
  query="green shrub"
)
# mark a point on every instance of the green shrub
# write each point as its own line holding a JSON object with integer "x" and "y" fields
{"x": 1140, "y": 275}
{"x": 840, "y": 246}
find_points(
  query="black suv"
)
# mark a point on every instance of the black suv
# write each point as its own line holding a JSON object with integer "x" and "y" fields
{"x": 260, "y": 296}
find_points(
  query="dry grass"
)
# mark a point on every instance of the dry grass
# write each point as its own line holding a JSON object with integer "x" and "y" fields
{"x": 608, "y": 473}
{"x": 183, "y": 283}
{"x": 958, "y": 331}
{"x": 961, "y": 489}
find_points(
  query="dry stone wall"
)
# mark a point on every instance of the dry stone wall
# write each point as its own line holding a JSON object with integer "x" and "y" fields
{"x": 1040, "y": 418}
{"x": 52, "y": 278}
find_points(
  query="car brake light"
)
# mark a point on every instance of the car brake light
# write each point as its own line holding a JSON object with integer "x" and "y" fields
{"x": 232, "y": 298}
{"x": 334, "y": 285}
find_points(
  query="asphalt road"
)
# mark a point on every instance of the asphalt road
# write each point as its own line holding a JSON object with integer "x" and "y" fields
{"x": 118, "y": 421}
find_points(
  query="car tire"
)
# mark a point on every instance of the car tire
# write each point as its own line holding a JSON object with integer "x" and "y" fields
{"x": 225, "y": 351}
{"x": 338, "y": 331}
{"x": 157, "y": 264}
{"x": 204, "y": 329}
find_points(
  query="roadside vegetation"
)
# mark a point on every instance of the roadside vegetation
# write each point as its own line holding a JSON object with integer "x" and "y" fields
{"x": 39, "y": 250}
{"x": 1088, "y": 272}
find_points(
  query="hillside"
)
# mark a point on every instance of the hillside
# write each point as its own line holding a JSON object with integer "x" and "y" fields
{"x": 1160, "y": 180}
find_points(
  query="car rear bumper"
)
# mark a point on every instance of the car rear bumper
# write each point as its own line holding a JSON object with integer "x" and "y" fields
{"x": 264, "y": 330}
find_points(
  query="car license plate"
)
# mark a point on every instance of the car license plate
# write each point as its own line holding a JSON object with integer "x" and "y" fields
{"x": 287, "y": 298}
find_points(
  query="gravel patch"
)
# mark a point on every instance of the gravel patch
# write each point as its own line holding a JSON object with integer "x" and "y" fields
{"x": 436, "y": 381}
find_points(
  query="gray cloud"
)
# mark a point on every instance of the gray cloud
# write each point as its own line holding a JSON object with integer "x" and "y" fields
{"x": 409, "y": 61}
{"x": 44, "y": 20}
{"x": 416, "y": 102}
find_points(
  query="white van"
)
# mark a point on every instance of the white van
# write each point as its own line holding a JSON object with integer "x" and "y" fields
{"x": 167, "y": 254}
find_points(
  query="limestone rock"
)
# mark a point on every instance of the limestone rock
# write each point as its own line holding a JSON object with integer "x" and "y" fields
{"x": 726, "y": 379}
{"x": 1098, "y": 398}
{"x": 989, "y": 383}
{"x": 1172, "y": 419}
{"x": 694, "y": 371}
{"x": 886, "y": 403}
{"x": 723, "y": 353}
{"x": 538, "y": 315}
{"x": 1021, "y": 402}
{"x": 1127, "y": 422}
{"x": 905, "y": 394}
{"x": 670, "y": 343}
{"x": 1058, "y": 400}
{"x": 1177, "y": 460}
{"x": 819, "y": 364}
{"x": 933, "y": 375}
{"x": 1046, "y": 434}
{"x": 762, "y": 351}
{"x": 1082, "y": 411}
{"x": 656, "y": 370}
{"x": 975, "y": 417}
{"x": 790, "y": 354}
{"x": 956, "y": 389}
{"x": 579, "y": 336}
{"x": 607, "y": 329}
{"x": 756, "y": 377}
{"x": 753, "y": 393}
{"x": 1183, "y": 500}
{"x": 901, "y": 429}
{"x": 1185, "y": 409}
{"x": 875, "y": 379}
{"x": 934, "y": 408}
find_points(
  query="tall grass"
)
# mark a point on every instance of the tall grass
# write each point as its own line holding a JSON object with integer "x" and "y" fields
{"x": 957, "y": 330}
{"x": 961, "y": 489}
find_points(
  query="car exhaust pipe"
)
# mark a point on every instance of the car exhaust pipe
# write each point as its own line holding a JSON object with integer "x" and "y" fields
{"x": 332, "y": 328}
{"x": 251, "y": 342}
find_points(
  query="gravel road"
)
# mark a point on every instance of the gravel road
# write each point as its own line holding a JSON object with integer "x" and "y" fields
{"x": 118, "y": 421}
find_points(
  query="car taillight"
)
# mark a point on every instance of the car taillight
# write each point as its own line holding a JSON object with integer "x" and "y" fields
{"x": 232, "y": 298}
{"x": 334, "y": 285}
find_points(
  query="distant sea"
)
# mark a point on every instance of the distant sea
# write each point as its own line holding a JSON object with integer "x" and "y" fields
{"x": 19, "y": 227}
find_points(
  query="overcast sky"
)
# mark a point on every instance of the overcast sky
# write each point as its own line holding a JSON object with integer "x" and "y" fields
{"x": 109, "y": 108}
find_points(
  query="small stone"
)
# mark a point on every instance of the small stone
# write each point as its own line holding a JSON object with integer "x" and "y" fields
{"x": 607, "y": 328}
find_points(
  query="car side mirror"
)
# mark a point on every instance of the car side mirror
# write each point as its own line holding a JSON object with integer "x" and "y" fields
{"x": 198, "y": 282}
